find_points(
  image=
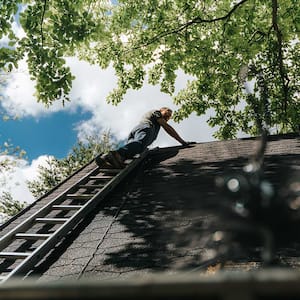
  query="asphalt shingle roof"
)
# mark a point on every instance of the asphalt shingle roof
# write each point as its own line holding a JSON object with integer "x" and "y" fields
{"x": 166, "y": 216}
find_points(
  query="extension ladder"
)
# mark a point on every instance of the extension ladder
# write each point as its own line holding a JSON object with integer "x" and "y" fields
{"x": 30, "y": 241}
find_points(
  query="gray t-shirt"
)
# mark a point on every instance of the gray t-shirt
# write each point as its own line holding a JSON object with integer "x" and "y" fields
{"x": 149, "y": 120}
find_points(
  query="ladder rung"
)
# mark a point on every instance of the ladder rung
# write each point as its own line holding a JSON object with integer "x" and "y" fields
{"x": 104, "y": 176}
{"x": 80, "y": 196}
{"x": 66, "y": 207}
{"x": 100, "y": 177}
{"x": 14, "y": 255}
{"x": 32, "y": 236}
{"x": 89, "y": 186}
{"x": 51, "y": 220}
{"x": 111, "y": 171}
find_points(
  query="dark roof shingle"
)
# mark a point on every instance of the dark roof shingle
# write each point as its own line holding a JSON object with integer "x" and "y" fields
{"x": 164, "y": 216}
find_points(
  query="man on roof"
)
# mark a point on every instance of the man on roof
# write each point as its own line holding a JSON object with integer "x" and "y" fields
{"x": 141, "y": 137}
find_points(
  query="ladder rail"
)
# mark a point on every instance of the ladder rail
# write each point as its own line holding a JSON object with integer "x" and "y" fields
{"x": 23, "y": 226}
{"x": 29, "y": 262}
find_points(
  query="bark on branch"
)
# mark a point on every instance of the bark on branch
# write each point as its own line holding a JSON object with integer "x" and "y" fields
{"x": 42, "y": 22}
{"x": 283, "y": 74}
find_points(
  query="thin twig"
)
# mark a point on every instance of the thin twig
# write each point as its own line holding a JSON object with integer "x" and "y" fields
{"x": 42, "y": 21}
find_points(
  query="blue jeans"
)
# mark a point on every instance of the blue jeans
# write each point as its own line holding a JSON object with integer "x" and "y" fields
{"x": 138, "y": 140}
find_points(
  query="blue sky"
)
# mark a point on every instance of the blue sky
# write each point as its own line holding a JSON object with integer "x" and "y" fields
{"x": 53, "y": 134}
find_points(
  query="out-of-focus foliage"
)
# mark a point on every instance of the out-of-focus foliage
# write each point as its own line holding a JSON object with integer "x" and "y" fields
{"x": 9, "y": 155}
{"x": 210, "y": 40}
{"x": 9, "y": 207}
{"x": 56, "y": 170}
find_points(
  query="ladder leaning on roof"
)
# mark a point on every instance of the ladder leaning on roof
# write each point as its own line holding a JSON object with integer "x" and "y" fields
{"x": 51, "y": 223}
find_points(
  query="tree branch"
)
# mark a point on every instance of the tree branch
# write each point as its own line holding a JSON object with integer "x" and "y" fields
{"x": 197, "y": 20}
{"x": 235, "y": 7}
{"x": 42, "y": 21}
{"x": 283, "y": 74}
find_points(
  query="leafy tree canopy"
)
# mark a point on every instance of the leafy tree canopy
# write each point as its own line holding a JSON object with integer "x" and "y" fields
{"x": 220, "y": 43}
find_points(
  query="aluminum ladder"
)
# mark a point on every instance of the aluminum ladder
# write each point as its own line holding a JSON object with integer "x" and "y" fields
{"x": 40, "y": 233}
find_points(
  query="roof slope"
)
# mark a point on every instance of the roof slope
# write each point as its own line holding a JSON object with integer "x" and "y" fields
{"x": 163, "y": 218}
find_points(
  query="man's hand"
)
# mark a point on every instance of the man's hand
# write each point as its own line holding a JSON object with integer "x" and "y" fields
{"x": 184, "y": 143}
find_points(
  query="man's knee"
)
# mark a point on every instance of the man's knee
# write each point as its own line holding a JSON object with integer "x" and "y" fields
{"x": 131, "y": 149}
{"x": 136, "y": 147}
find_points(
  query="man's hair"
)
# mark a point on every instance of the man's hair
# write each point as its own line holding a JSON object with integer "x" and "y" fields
{"x": 166, "y": 108}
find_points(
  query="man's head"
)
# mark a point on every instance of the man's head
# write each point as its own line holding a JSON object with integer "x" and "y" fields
{"x": 166, "y": 113}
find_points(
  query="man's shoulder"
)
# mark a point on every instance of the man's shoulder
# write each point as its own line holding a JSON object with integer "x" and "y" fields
{"x": 156, "y": 114}
{"x": 152, "y": 114}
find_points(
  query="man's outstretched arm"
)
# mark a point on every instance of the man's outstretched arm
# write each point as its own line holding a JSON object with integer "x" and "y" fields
{"x": 171, "y": 131}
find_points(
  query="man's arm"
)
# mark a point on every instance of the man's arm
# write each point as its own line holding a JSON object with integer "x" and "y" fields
{"x": 171, "y": 131}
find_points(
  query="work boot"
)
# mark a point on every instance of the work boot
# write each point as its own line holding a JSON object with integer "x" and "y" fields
{"x": 118, "y": 158}
{"x": 111, "y": 159}
{"x": 102, "y": 162}
{"x": 115, "y": 159}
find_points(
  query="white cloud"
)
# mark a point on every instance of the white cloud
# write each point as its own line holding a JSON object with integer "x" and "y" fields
{"x": 15, "y": 181}
{"x": 18, "y": 97}
{"x": 91, "y": 87}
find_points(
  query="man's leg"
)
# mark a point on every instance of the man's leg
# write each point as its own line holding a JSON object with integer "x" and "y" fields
{"x": 136, "y": 144}
{"x": 138, "y": 141}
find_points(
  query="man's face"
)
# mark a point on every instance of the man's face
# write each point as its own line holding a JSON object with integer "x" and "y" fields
{"x": 166, "y": 114}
